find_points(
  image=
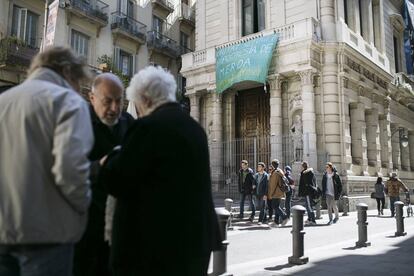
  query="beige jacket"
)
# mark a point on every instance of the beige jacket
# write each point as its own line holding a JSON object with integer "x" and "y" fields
{"x": 275, "y": 181}
{"x": 45, "y": 138}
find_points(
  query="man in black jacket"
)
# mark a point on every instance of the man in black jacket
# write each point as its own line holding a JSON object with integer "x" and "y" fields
{"x": 307, "y": 186}
{"x": 147, "y": 180}
{"x": 247, "y": 188}
{"x": 109, "y": 125}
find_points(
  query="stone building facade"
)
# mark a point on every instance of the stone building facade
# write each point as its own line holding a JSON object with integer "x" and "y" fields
{"x": 338, "y": 70}
{"x": 132, "y": 33}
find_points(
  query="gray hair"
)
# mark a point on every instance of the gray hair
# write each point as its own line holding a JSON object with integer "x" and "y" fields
{"x": 154, "y": 83}
{"x": 63, "y": 61}
{"x": 107, "y": 77}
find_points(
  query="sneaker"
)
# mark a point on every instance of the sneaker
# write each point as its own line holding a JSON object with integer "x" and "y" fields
{"x": 379, "y": 213}
{"x": 286, "y": 220}
{"x": 335, "y": 220}
{"x": 382, "y": 212}
{"x": 251, "y": 219}
{"x": 259, "y": 223}
{"x": 311, "y": 223}
{"x": 330, "y": 222}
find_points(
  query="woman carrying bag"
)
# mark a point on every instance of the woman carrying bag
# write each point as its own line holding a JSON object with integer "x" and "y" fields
{"x": 379, "y": 195}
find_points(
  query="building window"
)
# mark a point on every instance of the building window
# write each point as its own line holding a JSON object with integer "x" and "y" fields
{"x": 157, "y": 24}
{"x": 253, "y": 16}
{"x": 184, "y": 40}
{"x": 79, "y": 43}
{"x": 397, "y": 53}
{"x": 25, "y": 25}
{"x": 124, "y": 62}
{"x": 376, "y": 21}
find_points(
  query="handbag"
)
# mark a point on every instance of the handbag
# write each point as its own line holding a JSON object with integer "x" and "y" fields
{"x": 373, "y": 195}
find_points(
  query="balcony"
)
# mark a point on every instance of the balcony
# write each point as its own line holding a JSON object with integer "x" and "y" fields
{"x": 15, "y": 54}
{"x": 186, "y": 15}
{"x": 164, "y": 6}
{"x": 94, "y": 11}
{"x": 127, "y": 27}
{"x": 306, "y": 29}
{"x": 163, "y": 44}
{"x": 356, "y": 41}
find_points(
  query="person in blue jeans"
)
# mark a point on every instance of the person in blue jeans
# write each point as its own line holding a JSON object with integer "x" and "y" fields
{"x": 247, "y": 188}
{"x": 289, "y": 194}
{"x": 261, "y": 182}
{"x": 307, "y": 184}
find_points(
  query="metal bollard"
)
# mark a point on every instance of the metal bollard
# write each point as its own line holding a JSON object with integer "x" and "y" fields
{"x": 362, "y": 226}
{"x": 297, "y": 236}
{"x": 228, "y": 205}
{"x": 318, "y": 209}
{"x": 345, "y": 200}
{"x": 220, "y": 257}
{"x": 399, "y": 217}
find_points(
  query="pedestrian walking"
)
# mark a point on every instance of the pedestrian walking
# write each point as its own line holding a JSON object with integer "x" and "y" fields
{"x": 307, "y": 187}
{"x": 146, "y": 178}
{"x": 379, "y": 195}
{"x": 291, "y": 192}
{"x": 275, "y": 193}
{"x": 269, "y": 201}
{"x": 45, "y": 138}
{"x": 109, "y": 126}
{"x": 261, "y": 182}
{"x": 331, "y": 190}
{"x": 392, "y": 189}
{"x": 247, "y": 188}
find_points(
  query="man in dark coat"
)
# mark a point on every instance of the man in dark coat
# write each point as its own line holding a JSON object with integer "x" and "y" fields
{"x": 307, "y": 186}
{"x": 109, "y": 126}
{"x": 148, "y": 179}
{"x": 247, "y": 188}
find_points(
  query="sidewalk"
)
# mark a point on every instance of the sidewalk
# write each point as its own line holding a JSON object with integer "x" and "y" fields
{"x": 330, "y": 249}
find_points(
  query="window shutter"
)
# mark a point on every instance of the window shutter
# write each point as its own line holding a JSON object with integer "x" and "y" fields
{"x": 133, "y": 64}
{"x": 117, "y": 59}
{"x": 21, "y": 29}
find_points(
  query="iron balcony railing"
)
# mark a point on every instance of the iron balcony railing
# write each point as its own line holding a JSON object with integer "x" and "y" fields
{"x": 128, "y": 24}
{"x": 163, "y": 43}
{"x": 16, "y": 53}
{"x": 97, "y": 9}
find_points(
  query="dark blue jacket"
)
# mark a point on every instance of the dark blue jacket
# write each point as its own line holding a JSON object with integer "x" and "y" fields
{"x": 262, "y": 187}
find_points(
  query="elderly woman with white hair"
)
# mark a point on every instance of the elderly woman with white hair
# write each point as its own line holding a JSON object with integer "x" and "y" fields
{"x": 164, "y": 222}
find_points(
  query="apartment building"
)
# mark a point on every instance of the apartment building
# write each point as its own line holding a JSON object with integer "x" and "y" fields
{"x": 118, "y": 35}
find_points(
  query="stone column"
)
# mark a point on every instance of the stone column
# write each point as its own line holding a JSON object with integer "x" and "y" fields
{"x": 358, "y": 137}
{"x": 229, "y": 113}
{"x": 405, "y": 154}
{"x": 195, "y": 106}
{"x": 216, "y": 140}
{"x": 396, "y": 153}
{"x": 328, "y": 24}
{"x": 383, "y": 124}
{"x": 308, "y": 118}
{"x": 373, "y": 139}
{"x": 411, "y": 146}
{"x": 332, "y": 126}
{"x": 276, "y": 123}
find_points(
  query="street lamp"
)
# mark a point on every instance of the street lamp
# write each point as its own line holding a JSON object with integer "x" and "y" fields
{"x": 403, "y": 137}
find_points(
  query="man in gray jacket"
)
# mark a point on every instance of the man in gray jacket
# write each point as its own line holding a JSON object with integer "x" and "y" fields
{"x": 45, "y": 138}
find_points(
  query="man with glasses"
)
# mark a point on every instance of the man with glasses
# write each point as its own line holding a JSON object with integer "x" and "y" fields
{"x": 110, "y": 124}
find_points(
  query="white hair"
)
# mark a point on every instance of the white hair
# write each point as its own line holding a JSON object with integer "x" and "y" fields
{"x": 109, "y": 77}
{"x": 154, "y": 83}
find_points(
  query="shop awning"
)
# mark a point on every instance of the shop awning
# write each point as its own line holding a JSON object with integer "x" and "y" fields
{"x": 245, "y": 61}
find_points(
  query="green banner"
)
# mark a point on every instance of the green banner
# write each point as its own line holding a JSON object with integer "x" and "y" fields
{"x": 247, "y": 61}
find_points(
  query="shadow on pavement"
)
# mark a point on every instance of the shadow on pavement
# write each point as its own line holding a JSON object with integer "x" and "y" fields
{"x": 279, "y": 267}
{"x": 397, "y": 261}
{"x": 255, "y": 228}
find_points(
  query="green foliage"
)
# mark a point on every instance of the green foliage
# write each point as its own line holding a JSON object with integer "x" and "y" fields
{"x": 105, "y": 59}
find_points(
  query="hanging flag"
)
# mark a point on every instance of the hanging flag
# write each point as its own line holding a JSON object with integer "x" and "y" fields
{"x": 408, "y": 15}
{"x": 245, "y": 61}
{"x": 51, "y": 24}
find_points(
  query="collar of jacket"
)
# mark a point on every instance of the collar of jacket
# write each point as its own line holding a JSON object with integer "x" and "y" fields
{"x": 279, "y": 172}
{"x": 163, "y": 106}
{"x": 308, "y": 170}
{"x": 46, "y": 74}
